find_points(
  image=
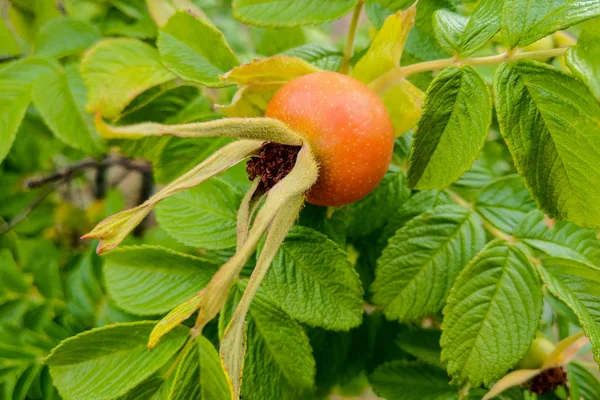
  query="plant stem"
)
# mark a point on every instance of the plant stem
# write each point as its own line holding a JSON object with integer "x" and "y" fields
{"x": 386, "y": 80}
{"x": 492, "y": 230}
{"x": 349, "y": 47}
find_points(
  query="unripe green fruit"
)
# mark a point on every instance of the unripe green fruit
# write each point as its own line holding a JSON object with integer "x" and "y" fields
{"x": 538, "y": 353}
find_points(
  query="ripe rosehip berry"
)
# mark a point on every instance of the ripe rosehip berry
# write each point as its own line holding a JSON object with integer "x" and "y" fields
{"x": 348, "y": 128}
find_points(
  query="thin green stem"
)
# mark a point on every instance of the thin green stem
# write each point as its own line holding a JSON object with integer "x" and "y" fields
{"x": 349, "y": 47}
{"x": 492, "y": 230}
{"x": 386, "y": 80}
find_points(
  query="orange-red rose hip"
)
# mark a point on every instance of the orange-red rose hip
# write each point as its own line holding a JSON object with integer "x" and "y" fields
{"x": 348, "y": 128}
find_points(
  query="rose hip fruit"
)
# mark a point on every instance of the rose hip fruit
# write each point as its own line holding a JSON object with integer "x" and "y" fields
{"x": 348, "y": 128}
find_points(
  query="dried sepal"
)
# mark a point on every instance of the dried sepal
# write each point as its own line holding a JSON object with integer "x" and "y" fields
{"x": 296, "y": 183}
{"x": 114, "y": 229}
{"x": 247, "y": 208}
{"x": 173, "y": 319}
{"x": 264, "y": 129}
{"x": 233, "y": 344}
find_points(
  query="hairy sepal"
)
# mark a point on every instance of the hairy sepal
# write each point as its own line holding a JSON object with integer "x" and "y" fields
{"x": 211, "y": 299}
{"x": 114, "y": 229}
{"x": 233, "y": 344}
{"x": 296, "y": 183}
{"x": 260, "y": 128}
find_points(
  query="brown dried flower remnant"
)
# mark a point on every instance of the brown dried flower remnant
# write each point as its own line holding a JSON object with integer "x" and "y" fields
{"x": 548, "y": 380}
{"x": 272, "y": 164}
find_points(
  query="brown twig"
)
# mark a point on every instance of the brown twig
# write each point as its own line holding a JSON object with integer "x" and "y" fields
{"x": 65, "y": 175}
{"x": 74, "y": 169}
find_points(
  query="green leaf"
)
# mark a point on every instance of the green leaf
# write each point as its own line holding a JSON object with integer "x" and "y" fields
{"x": 60, "y": 98}
{"x": 584, "y": 59}
{"x": 200, "y": 375}
{"x": 313, "y": 282}
{"x": 386, "y": 48}
{"x": 9, "y": 46}
{"x": 403, "y": 101}
{"x": 505, "y": 202}
{"x": 65, "y": 36}
{"x": 280, "y": 13}
{"x": 151, "y": 280}
{"x": 14, "y": 100}
{"x": 421, "y": 262}
{"x": 271, "y": 41}
{"x": 464, "y": 36}
{"x": 577, "y": 284}
{"x": 492, "y": 314}
{"x": 150, "y": 389}
{"x": 452, "y": 130}
{"x": 378, "y": 10}
{"x": 387, "y": 198}
{"x": 323, "y": 57}
{"x": 279, "y": 364}
{"x": 105, "y": 363}
{"x": 588, "y": 385}
{"x": 424, "y": 344}
{"x": 117, "y": 70}
{"x": 200, "y": 61}
{"x": 524, "y": 22}
{"x": 449, "y": 27}
{"x": 550, "y": 121}
{"x": 204, "y": 216}
{"x": 11, "y": 278}
{"x": 560, "y": 239}
{"x": 483, "y": 24}
{"x": 408, "y": 380}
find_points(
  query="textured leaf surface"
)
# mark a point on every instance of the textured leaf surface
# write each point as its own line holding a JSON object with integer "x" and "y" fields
{"x": 16, "y": 79}
{"x": 584, "y": 58}
{"x": 279, "y": 364}
{"x": 204, "y": 216}
{"x": 387, "y": 198}
{"x": 464, "y": 36}
{"x": 418, "y": 267}
{"x": 385, "y": 50}
{"x": 550, "y": 122}
{"x": 312, "y": 281}
{"x": 105, "y": 363}
{"x": 560, "y": 239}
{"x": 505, "y": 202}
{"x": 492, "y": 314}
{"x": 290, "y": 12}
{"x": 151, "y": 280}
{"x": 452, "y": 129}
{"x": 524, "y": 22}
{"x": 117, "y": 70}
{"x": 577, "y": 284}
{"x": 408, "y": 380}
{"x": 60, "y": 98}
{"x": 448, "y": 29}
{"x": 200, "y": 61}
{"x": 200, "y": 375}
{"x": 483, "y": 24}
{"x": 14, "y": 100}
{"x": 65, "y": 36}
{"x": 323, "y": 57}
{"x": 587, "y": 384}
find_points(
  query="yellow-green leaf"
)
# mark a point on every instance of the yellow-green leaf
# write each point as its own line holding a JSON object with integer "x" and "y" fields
{"x": 386, "y": 50}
